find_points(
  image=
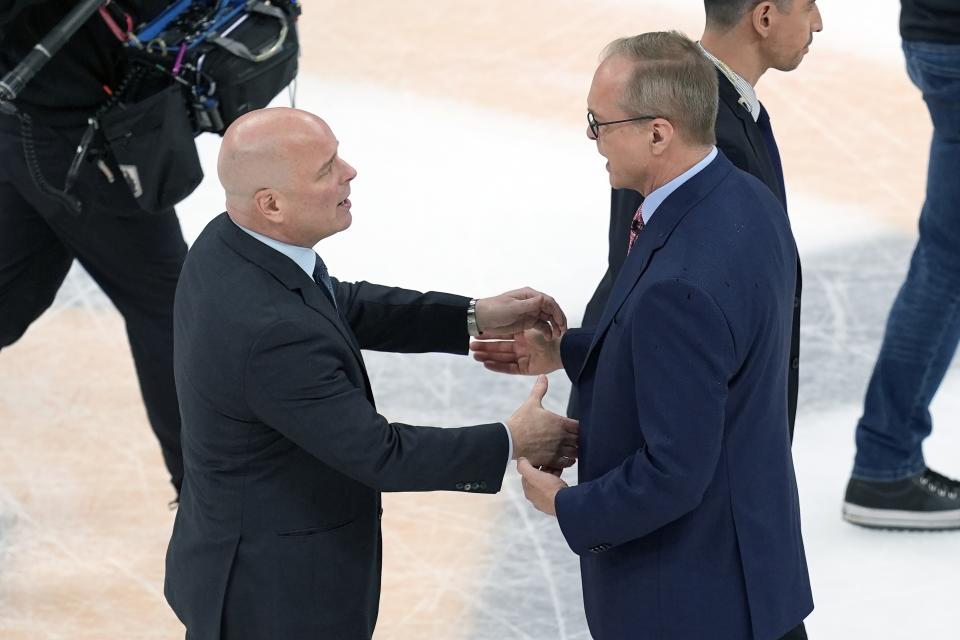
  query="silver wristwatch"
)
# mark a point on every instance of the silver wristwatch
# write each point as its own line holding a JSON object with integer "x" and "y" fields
{"x": 472, "y": 327}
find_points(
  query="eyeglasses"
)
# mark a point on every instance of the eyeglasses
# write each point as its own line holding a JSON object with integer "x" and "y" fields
{"x": 595, "y": 126}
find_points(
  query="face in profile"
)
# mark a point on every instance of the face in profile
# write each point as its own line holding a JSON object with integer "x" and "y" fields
{"x": 316, "y": 200}
{"x": 792, "y": 33}
{"x": 621, "y": 144}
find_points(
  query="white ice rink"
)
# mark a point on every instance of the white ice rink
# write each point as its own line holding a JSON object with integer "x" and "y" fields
{"x": 477, "y": 196}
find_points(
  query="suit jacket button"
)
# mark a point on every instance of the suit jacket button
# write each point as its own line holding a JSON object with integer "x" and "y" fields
{"x": 795, "y": 363}
{"x": 796, "y": 302}
{"x": 483, "y": 484}
{"x": 460, "y": 486}
{"x": 467, "y": 487}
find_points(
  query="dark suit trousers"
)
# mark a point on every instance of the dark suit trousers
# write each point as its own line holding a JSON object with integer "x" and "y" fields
{"x": 133, "y": 256}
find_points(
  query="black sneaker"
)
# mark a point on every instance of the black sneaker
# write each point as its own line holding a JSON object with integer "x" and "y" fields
{"x": 927, "y": 500}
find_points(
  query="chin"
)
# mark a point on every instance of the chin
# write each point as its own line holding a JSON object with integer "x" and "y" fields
{"x": 347, "y": 221}
{"x": 790, "y": 65}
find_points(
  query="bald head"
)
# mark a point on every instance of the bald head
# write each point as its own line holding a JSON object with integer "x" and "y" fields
{"x": 276, "y": 165}
{"x": 262, "y": 149}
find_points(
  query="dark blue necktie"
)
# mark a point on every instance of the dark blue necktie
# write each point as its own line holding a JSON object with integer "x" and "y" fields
{"x": 763, "y": 123}
{"x": 322, "y": 277}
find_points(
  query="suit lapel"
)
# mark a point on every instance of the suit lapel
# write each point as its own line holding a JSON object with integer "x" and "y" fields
{"x": 730, "y": 97}
{"x": 287, "y": 272}
{"x": 348, "y": 331}
{"x": 656, "y": 234}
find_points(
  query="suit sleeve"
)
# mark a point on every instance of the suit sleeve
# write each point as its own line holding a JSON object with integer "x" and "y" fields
{"x": 574, "y": 347}
{"x": 683, "y": 355}
{"x": 404, "y": 321}
{"x": 295, "y": 381}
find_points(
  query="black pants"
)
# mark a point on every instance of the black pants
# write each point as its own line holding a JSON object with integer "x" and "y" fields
{"x": 135, "y": 257}
{"x": 799, "y": 633}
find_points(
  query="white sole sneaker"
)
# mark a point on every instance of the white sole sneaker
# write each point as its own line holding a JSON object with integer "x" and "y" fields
{"x": 893, "y": 519}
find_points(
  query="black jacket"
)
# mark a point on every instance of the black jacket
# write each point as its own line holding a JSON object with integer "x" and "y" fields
{"x": 740, "y": 139}
{"x": 285, "y": 455}
{"x": 930, "y": 20}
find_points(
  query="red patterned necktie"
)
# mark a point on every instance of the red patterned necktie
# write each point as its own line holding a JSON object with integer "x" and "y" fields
{"x": 636, "y": 226}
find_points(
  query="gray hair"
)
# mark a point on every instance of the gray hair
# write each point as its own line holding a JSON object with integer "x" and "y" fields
{"x": 671, "y": 79}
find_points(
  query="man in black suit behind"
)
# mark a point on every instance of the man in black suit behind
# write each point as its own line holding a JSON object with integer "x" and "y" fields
{"x": 278, "y": 530}
{"x": 743, "y": 39}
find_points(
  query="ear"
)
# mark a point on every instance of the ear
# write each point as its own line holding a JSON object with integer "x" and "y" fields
{"x": 661, "y": 136}
{"x": 267, "y": 205}
{"x": 762, "y": 18}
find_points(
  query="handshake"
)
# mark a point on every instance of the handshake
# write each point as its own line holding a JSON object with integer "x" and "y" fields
{"x": 520, "y": 333}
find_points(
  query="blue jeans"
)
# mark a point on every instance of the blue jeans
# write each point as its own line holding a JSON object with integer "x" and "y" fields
{"x": 923, "y": 328}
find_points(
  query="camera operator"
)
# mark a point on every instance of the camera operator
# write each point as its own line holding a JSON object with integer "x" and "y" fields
{"x": 134, "y": 255}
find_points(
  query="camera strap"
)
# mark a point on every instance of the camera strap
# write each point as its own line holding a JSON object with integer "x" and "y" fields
{"x": 110, "y": 21}
{"x": 93, "y": 126}
{"x": 241, "y": 50}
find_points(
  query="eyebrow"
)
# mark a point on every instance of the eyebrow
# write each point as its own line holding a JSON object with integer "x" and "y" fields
{"x": 326, "y": 165}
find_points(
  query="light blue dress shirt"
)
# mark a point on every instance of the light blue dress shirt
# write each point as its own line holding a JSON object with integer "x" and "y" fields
{"x": 657, "y": 196}
{"x": 305, "y": 258}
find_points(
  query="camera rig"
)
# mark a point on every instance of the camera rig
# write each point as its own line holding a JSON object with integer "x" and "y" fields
{"x": 230, "y": 56}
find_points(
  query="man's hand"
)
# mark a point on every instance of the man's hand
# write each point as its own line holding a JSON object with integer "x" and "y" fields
{"x": 540, "y": 487}
{"x": 544, "y": 437}
{"x": 527, "y": 353}
{"x": 514, "y": 311}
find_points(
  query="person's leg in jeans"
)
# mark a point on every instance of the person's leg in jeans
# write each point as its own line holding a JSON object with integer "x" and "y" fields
{"x": 922, "y": 330}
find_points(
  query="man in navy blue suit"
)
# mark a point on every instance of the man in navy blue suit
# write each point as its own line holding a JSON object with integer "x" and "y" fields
{"x": 743, "y": 39}
{"x": 686, "y": 516}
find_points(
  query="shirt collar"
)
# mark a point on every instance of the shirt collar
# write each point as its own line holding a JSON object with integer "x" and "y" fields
{"x": 305, "y": 258}
{"x": 657, "y": 196}
{"x": 748, "y": 96}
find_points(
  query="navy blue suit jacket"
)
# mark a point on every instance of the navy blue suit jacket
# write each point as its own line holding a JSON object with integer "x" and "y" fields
{"x": 742, "y": 141}
{"x": 686, "y": 516}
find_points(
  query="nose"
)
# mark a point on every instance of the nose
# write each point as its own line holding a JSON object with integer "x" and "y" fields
{"x": 817, "y": 20}
{"x": 350, "y": 173}
{"x": 590, "y": 133}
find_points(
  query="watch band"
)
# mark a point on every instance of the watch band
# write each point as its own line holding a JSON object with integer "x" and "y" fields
{"x": 472, "y": 327}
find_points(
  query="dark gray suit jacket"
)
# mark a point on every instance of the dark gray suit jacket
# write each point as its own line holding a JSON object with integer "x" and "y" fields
{"x": 278, "y": 529}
